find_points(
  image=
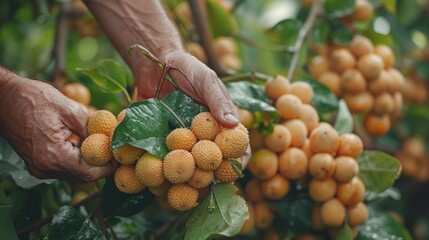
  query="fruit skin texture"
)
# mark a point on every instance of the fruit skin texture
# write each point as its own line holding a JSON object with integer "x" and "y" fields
{"x": 357, "y": 215}
{"x": 360, "y": 102}
{"x": 207, "y": 155}
{"x": 205, "y": 126}
{"x": 350, "y": 145}
{"x": 201, "y": 178}
{"x": 363, "y": 10}
{"x": 126, "y": 180}
{"x": 279, "y": 140}
{"x": 149, "y": 170}
{"x": 346, "y": 168}
{"x": 309, "y": 116}
{"x": 289, "y": 106}
{"x": 182, "y": 197}
{"x": 179, "y": 166}
{"x": 318, "y": 65}
{"x": 322, "y": 166}
{"x": 181, "y": 138}
{"x": 352, "y": 192}
{"x": 257, "y": 141}
{"x": 264, "y": 216}
{"x": 324, "y": 139}
{"x": 277, "y": 86}
{"x": 370, "y": 65}
{"x": 293, "y": 163}
{"x": 253, "y": 192}
{"x": 95, "y": 150}
{"x": 331, "y": 80}
{"x": 298, "y": 132}
{"x": 127, "y": 155}
{"x": 386, "y": 54}
{"x": 342, "y": 59}
{"x": 162, "y": 190}
{"x": 232, "y": 142}
{"x": 352, "y": 81}
{"x": 333, "y": 213}
{"x": 376, "y": 125}
{"x": 276, "y": 187}
{"x": 246, "y": 117}
{"x": 101, "y": 121}
{"x": 302, "y": 90}
{"x": 263, "y": 164}
{"x": 361, "y": 45}
{"x": 225, "y": 172}
{"x": 78, "y": 92}
{"x": 322, "y": 190}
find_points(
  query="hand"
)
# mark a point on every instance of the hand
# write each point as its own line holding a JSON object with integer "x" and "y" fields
{"x": 37, "y": 121}
{"x": 193, "y": 77}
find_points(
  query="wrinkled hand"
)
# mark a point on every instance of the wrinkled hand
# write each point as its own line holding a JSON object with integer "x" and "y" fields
{"x": 37, "y": 122}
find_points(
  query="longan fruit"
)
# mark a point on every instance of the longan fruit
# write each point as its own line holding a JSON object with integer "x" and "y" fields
{"x": 386, "y": 54}
{"x": 306, "y": 148}
{"x": 201, "y": 178}
{"x": 322, "y": 166}
{"x": 197, "y": 51}
{"x": 95, "y": 150}
{"x": 121, "y": 115}
{"x": 333, "y": 213}
{"x": 293, "y": 163}
{"x": 264, "y": 216}
{"x": 249, "y": 224}
{"x": 352, "y": 192}
{"x": 231, "y": 61}
{"x": 346, "y": 168}
{"x": 318, "y": 65}
{"x": 224, "y": 46}
{"x": 363, "y": 11}
{"x": 161, "y": 190}
{"x": 179, "y": 166}
{"x": 302, "y": 90}
{"x": 225, "y": 172}
{"x": 360, "y": 102}
{"x": 205, "y": 126}
{"x": 246, "y": 117}
{"x": 357, "y": 215}
{"x": 263, "y": 164}
{"x": 279, "y": 139}
{"x": 316, "y": 217}
{"x": 380, "y": 84}
{"x": 149, "y": 170}
{"x": 331, "y": 80}
{"x": 324, "y": 139}
{"x": 352, "y": 81}
{"x": 78, "y": 92}
{"x": 289, "y": 106}
{"x": 399, "y": 102}
{"x": 376, "y": 125}
{"x": 182, "y": 197}
{"x": 342, "y": 59}
{"x": 370, "y": 65}
{"x": 275, "y": 187}
{"x": 126, "y": 180}
{"x": 257, "y": 141}
{"x": 253, "y": 192}
{"x": 181, "y": 138}
{"x": 361, "y": 45}
{"x": 207, "y": 155}
{"x": 128, "y": 154}
{"x": 322, "y": 190}
{"x": 101, "y": 121}
{"x": 383, "y": 104}
{"x": 277, "y": 86}
{"x": 350, "y": 145}
{"x": 414, "y": 147}
{"x": 232, "y": 142}
{"x": 397, "y": 80}
{"x": 310, "y": 117}
{"x": 298, "y": 132}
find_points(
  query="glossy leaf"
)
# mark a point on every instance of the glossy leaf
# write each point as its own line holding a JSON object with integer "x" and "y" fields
{"x": 344, "y": 121}
{"x": 286, "y": 31}
{"x": 27, "y": 206}
{"x": 70, "y": 224}
{"x": 378, "y": 170}
{"x": 345, "y": 233}
{"x": 340, "y": 34}
{"x": 320, "y": 31}
{"x": 144, "y": 126}
{"x": 226, "y": 218}
{"x": 221, "y": 22}
{"x": 323, "y": 99}
{"x": 7, "y": 229}
{"x": 338, "y": 8}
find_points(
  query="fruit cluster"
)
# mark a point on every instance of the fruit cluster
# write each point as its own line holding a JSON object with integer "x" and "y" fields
{"x": 414, "y": 159}
{"x": 197, "y": 156}
{"x": 304, "y": 151}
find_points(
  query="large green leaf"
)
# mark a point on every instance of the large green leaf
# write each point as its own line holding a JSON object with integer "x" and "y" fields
{"x": 338, "y": 8}
{"x": 320, "y": 31}
{"x": 181, "y": 109}
{"x": 381, "y": 226}
{"x": 69, "y": 223}
{"x": 7, "y": 229}
{"x": 345, "y": 233}
{"x": 221, "y": 22}
{"x": 323, "y": 99}
{"x": 117, "y": 203}
{"x": 27, "y": 206}
{"x": 108, "y": 75}
{"x": 378, "y": 170}
{"x": 286, "y": 31}
{"x": 344, "y": 121}
{"x": 144, "y": 126}
{"x": 340, "y": 34}
{"x": 224, "y": 215}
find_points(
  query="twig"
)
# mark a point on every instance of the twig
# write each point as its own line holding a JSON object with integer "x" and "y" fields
{"x": 315, "y": 9}
{"x": 160, "y": 232}
{"x": 37, "y": 225}
{"x": 103, "y": 226}
{"x": 264, "y": 45}
{"x": 204, "y": 31}
{"x": 246, "y": 76}
{"x": 111, "y": 229}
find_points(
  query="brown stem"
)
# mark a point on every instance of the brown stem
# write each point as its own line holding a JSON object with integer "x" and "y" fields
{"x": 315, "y": 9}
{"x": 37, "y": 225}
{"x": 199, "y": 14}
{"x": 246, "y": 76}
{"x": 103, "y": 226}
{"x": 160, "y": 232}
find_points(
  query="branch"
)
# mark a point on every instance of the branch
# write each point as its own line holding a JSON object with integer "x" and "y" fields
{"x": 160, "y": 232}
{"x": 203, "y": 28}
{"x": 315, "y": 9}
{"x": 246, "y": 76}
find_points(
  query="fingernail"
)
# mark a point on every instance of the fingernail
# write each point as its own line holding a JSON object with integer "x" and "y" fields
{"x": 231, "y": 118}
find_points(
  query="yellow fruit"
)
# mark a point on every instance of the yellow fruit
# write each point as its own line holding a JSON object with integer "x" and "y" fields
{"x": 324, "y": 139}
{"x": 414, "y": 147}
{"x": 149, "y": 170}
{"x": 302, "y": 90}
{"x": 376, "y": 125}
{"x": 293, "y": 163}
{"x": 346, "y": 168}
{"x": 309, "y": 116}
{"x": 246, "y": 117}
{"x": 161, "y": 190}
{"x": 331, "y": 80}
{"x": 306, "y": 149}
{"x": 322, "y": 166}
{"x": 350, "y": 145}
{"x": 182, "y": 197}
{"x": 275, "y": 187}
{"x": 205, "y": 127}
{"x": 370, "y": 65}
{"x": 225, "y": 172}
{"x": 249, "y": 224}
{"x": 397, "y": 81}
{"x": 126, "y": 180}
{"x": 231, "y": 61}
{"x": 363, "y": 11}
{"x": 322, "y": 190}
{"x": 253, "y": 192}
{"x": 127, "y": 155}
{"x": 357, "y": 215}
{"x": 277, "y": 86}
{"x": 316, "y": 217}
{"x": 179, "y": 166}
{"x": 232, "y": 142}
{"x": 333, "y": 213}
{"x": 279, "y": 139}
{"x": 264, "y": 216}
{"x": 181, "y": 138}
{"x": 360, "y": 102}
{"x": 121, "y": 115}
{"x": 197, "y": 51}
{"x": 352, "y": 81}
{"x": 224, "y": 46}
{"x": 298, "y": 132}
{"x": 383, "y": 104}
{"x": 318, "y": 65}
{"x": 360, "y": 46}
{"x": 78, "y": 92}
{"x": 386, "y": 54}
{"x": 380, "y": 84}
{"x": 102, "y": 121}
{"x": 263, "y": 164}
{"x": 256, "y": 139}
{"x": 201, "y": 178}
{"x": 207, "y": 155}
{"x": 289, "y": 106}
{"x": 342, "y": 59}
{"x": 352, "y": 192}
{"x": 95, "y": 150}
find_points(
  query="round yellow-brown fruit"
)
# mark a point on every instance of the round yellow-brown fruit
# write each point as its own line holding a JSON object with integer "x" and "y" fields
{"x": 127, "y": 155}
{"x": 126, "y": 180}
{"x": 232, "y": 142}
{"x": 95, "y": 150}
{"x": 225, "y": 172}
{"x": 181, "y": 138}
{"x": 207, "y": 155}
{"x": 149, "y": 170}
{"x": 182, "y": 197}
{"x": 101, "y": 121}
{"x": 275, "y": 187}
{"x": 279, "y": 139}
{"x": 201, "y": 178}
{"x": 205, "y": 126}
{"x": 263, "y": 164}
{"x": 161, "y": 190}
{"x": 179, "y": 166}
{"x": 293, "y": 163}
{"x": 277, "y": 86}
{"x": 333, "y": 213}
{"x": 78, "y": 92}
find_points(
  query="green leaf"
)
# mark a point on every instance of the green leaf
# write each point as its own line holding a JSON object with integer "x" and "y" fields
{"x": 344, "y": 121}
{"x": 181, "y": 109}
{"x": 117, "y": 203}
{"x": 345, "y": 233}
{"x": 320, "y": 31}
{"x": 390, "y": 5}
{"x": 338, "y": 8}
{"x": 108, "y": 75}
{"x": 381, "y": 226}
{"x": 323, "y": 99}
{"x": 340, "y": 34}
{"x": 237, "y": 166}
{"x": 378, "y": 38}
{"x": 286, "y": 31}
{"x": 378, "y": 170}
{"x": 229, "y": 213}
{"x": 144, "y": 126}
{"x": 68, "y": 223}
{"x": 25, "y": 180}
{"x": 27, "y": 206}
{"x": 7, "y": 229}
{"x": 422, "y": 69}
{"x": 221, "y": 22}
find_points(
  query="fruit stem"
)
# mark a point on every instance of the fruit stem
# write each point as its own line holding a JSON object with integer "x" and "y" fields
{"x": 314, "y": 11}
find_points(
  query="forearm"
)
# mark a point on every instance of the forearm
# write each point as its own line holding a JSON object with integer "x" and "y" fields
{"x": 129, "y": 22}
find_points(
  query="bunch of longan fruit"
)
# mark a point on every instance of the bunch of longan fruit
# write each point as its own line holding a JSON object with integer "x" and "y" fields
{"x": 311, "y": 153}
{"x": 414, "y": 159}
{"x": 197, "y": 157}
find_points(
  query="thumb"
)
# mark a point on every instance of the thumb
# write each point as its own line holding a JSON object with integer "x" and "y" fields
{"x": 74, "y": 117}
